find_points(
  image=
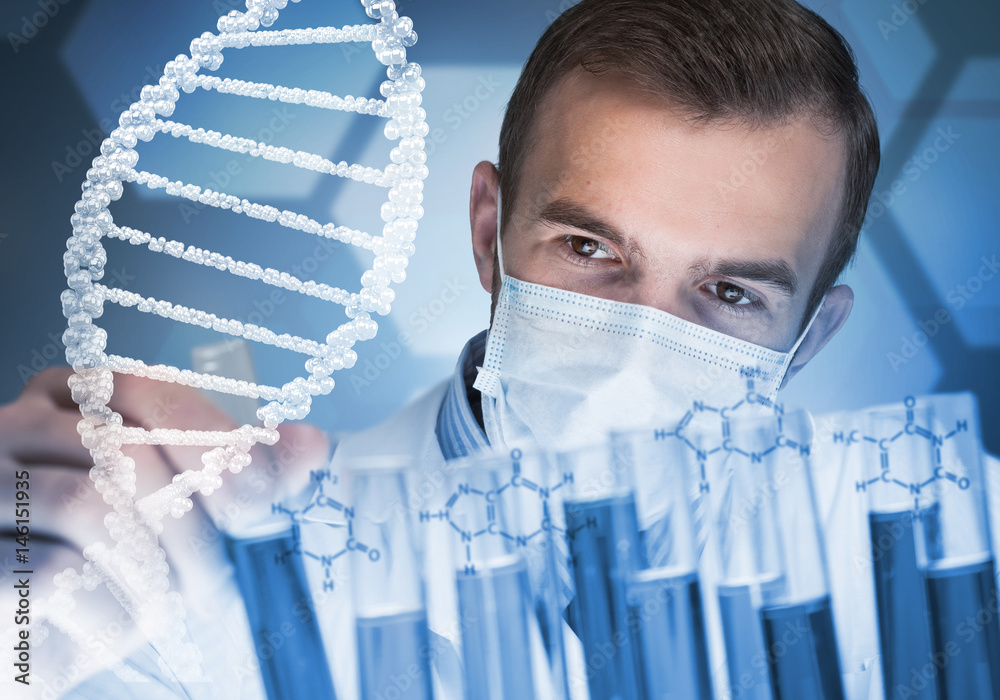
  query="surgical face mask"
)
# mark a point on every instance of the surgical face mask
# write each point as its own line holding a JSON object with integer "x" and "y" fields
{"x": 563, "y": 369}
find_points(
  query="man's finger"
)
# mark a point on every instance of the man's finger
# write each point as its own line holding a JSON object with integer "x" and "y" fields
{"x": 33, "y": 431}
{"x": 153, "y": 404}
{"x": 52, "y": 383}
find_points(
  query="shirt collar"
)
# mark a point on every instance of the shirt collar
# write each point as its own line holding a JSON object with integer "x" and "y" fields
{"x": 459, "y": 426}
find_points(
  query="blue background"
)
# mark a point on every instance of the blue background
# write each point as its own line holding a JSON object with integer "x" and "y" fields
{"x": 68, "y": 69}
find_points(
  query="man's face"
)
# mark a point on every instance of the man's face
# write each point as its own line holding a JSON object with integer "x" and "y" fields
{"x": 722, "y": 225}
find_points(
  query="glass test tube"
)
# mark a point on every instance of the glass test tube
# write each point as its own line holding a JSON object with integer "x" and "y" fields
{"x": 390, "y": 615}
{"x": 505, "y": 577}
{"x": 903, "y": 509}
{"x": 664, "y": 596}
{"x": 952, "y": 546}
{"x": 263, "y": 547}
{"x": 272, "y": 581}
{"x": 229, "y": 358}
{"x": 774, "y": 596}
{"x": 604, "y": 550}
{"x": 752, "y": 571}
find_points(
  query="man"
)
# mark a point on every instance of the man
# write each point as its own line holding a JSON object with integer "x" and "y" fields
{"x": 659, "y": 155}
{"x": 708, "y": 161}
{"x": 638, "y": 262}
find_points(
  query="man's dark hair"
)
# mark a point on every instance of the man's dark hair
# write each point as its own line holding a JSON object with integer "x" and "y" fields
{"x": 754, "y": 62}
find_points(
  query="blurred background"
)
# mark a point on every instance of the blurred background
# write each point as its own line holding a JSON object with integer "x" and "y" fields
{"x": 927, "y": 276}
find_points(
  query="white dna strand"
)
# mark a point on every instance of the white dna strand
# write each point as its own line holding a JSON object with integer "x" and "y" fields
{"x": 133, "y": 567}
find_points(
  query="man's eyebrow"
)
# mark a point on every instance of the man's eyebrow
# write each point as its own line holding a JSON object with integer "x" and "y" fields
{"x": 776, "y": 273}
{"x": 564, "y": 212}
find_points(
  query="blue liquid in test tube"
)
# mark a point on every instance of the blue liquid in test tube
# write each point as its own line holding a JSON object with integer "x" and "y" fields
{"x": 802, "y": 651}
{"x": 934, "y": 563}
{"x": 739, "y": 606}
{"x": 599, "y": 531}
{"x": 394, "y": 653}
{"x": 492, "y": 605}
{"x": 665, "y": 607}
{"x": 272, "y": 580}
{"x": 904, "y": 634}
{"x": 390, "y": 647}
{"x": 962, "y": 601}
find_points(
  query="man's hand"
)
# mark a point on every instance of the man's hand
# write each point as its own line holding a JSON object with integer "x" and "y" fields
{"x": 38, "y": 432}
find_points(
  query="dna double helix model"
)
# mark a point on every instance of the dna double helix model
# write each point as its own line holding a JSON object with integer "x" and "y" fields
{"x": 132, "y": 565}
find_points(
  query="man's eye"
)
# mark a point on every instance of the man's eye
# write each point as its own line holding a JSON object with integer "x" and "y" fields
{"x": 589, "y": 248}
{"x": 731, "y": 294}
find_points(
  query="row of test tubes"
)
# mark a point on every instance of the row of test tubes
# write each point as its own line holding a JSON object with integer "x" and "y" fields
{"x": 586, "y": 565}
{"x": 685, "y": 517}
{"x": 611, "y": 571}
{"x": 934, "y": 566}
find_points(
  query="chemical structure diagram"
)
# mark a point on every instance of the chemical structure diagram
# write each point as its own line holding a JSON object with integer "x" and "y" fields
{"x": 911, "y": 430}
{"x": 324, "y": 479}
{"x": 716, "y": 422}
{"x": 488, "y": 500}
{"x": 698, "y": 417}
{"x": 701, "y": 424}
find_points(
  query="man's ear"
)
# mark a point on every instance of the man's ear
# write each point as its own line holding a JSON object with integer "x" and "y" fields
{"x": 483, "y": 217}
{"x": 836, "y": 308}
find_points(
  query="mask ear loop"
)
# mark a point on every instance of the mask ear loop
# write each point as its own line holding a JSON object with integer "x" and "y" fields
{"x": 802, "y": 336}
{"x": 488, "y": 379}
{"x": 499, "y": 247}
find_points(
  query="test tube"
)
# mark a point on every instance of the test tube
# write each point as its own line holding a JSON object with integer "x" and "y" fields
{"x": 664, "y": 595}
{"x": 232, "y": 359}
{"x": 389, "y": 609}
{"x": 774, "y": 596}
{"x": 752, "y": 568}
{"x": 603, "y": 535}
{"x": 272, "y": 581}
{"x": 902, "y": 509}
{"x": 952, "y": 546}
{"x": 505, "y": 577}
{"x": 263, "y": 547}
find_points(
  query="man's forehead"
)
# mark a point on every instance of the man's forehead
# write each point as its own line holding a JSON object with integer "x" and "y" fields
{"x": 651, "y": 171}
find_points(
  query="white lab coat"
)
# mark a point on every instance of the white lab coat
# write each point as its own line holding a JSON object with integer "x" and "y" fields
{"x": 408, "y": 432}
{"x": 412, "y": 431}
